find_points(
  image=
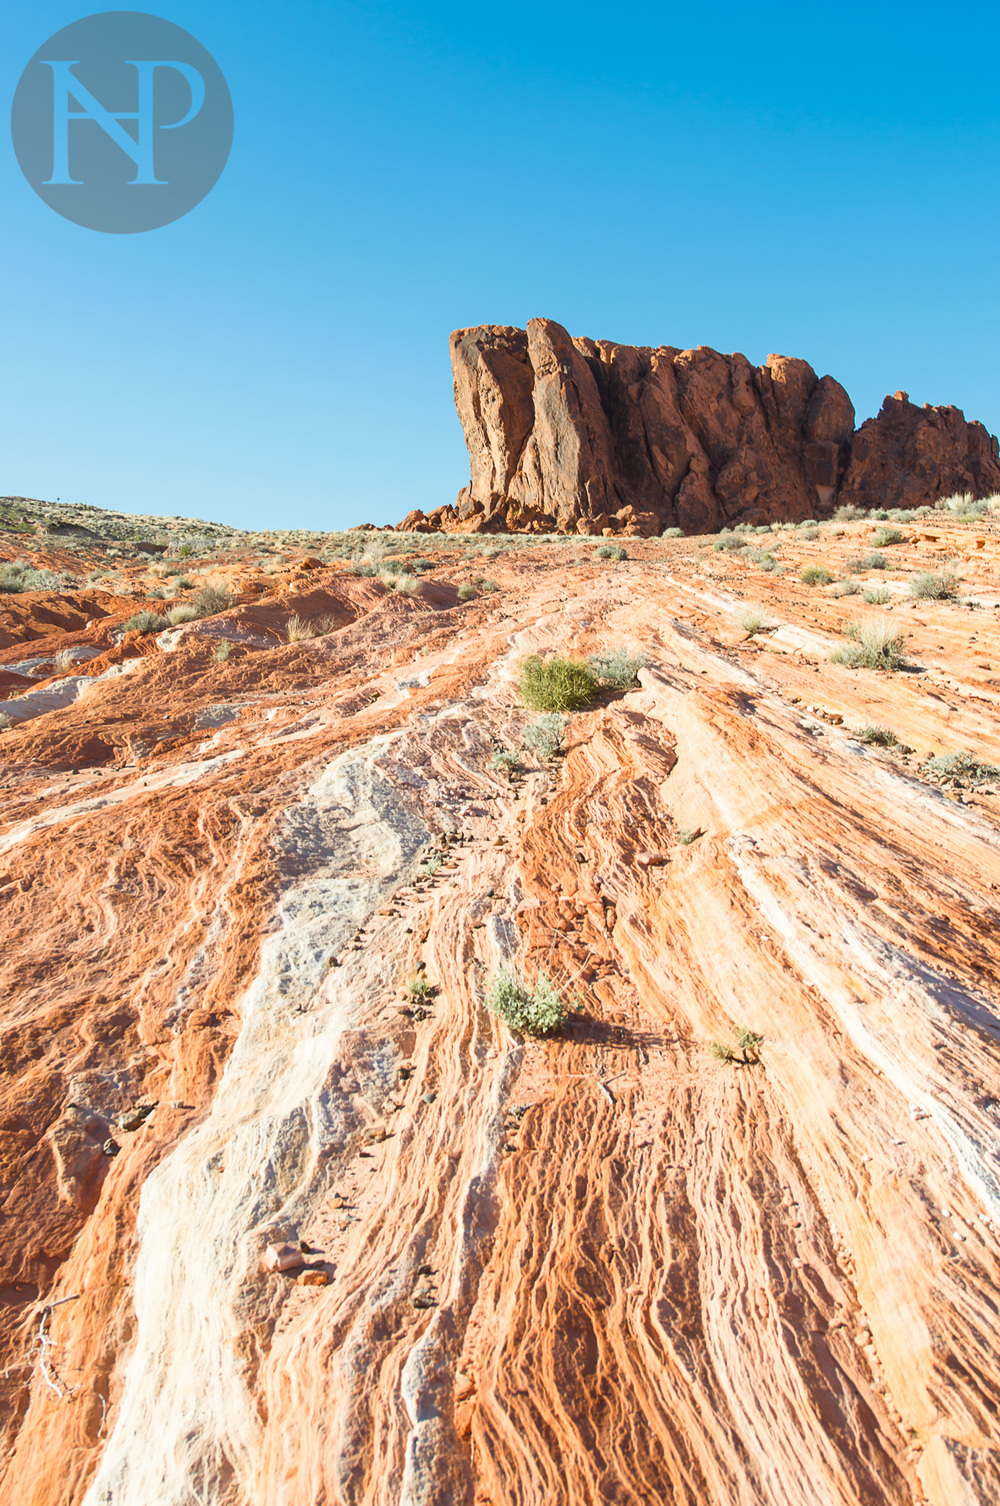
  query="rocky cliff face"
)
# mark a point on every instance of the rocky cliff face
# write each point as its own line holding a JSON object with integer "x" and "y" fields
{"x": 600, "y": 1267}
{"x": 574, "y": 435}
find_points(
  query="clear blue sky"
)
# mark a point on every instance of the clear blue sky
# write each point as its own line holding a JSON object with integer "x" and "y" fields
{"x": 814, "y": 180}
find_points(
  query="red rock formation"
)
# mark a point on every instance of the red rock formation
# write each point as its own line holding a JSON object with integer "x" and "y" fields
{"x": 578, "y": 435}
{"x": 909, "y": 455}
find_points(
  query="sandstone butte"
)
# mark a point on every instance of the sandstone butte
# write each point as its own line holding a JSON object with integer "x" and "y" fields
{"x": 598, "y": 1267}
{"x": 586, "y": 436}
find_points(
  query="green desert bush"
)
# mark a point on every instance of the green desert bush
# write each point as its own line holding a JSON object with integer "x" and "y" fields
{"x": 848, "y": 513}
{"x": 763, "y": 558}
{"x": 222, "y": 651}
{"x": 815, "y": 575}
{"x": 557, "y": 684}
{"x": 619, "y": 669}
{"x": 875, "y": 646}
{"x": 963, "y": 505}
{"x": 419, "y": 986}
{"x": 6, "y": 722}
{"x": 926, "y": 586}
{"x": 145, "y": 622}
{"x": 877, "y": 735}
{"x": 883, "y": 537}
{"x": 505, "y": 760}
{"x": 19, "y": 575}
{"x": 546, "y": 736}
{"x": 612, "y": 552}
{"x": 876, "y": 596}
{"x": 529, "y": 1008}
{"x": 467, "y": 592}
{"x": 211, "y": 600}
{"x": 731, "y": 544}
{"x": 809, "y": 533}
{"x": 963, "y": 766}
{"x": 672, "y": 533}
{"x": 846, "y": 588}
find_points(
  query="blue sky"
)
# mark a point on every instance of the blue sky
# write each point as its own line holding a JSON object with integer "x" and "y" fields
{"x": 817, "y": 181}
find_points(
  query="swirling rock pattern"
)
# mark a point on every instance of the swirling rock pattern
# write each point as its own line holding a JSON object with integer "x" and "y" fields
{"x": 599, "y": 1267}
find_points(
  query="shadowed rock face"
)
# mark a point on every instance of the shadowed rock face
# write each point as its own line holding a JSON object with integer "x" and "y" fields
{"x": 598, "y": 1267}
{"x": 584, "y": 436}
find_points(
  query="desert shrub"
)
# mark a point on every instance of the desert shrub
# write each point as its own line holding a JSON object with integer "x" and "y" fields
{"x": 876, "y": 596}
{"x": 846, "y": 588}
{"x": 185, "y": 552}
{"x": 392, "y": 567}
{"x": 301, "y": 629}
{"x": 848, "y": 513}
{"x": 18, "y": 575}
{"x": 211, "y": 600}
{"x": 963, "y": 766}
{"x": 963, "y": 505}
{"x": 6, "y": 722}
{"x": 672, "y": 533}
{"x": 420, "y": 565}
{"x": 883, "y": 537}
{"x": 546, "y": 735}
{"x": 815, "y": 575}
{"x": 64, "y": 661}
{"x": 184, "y": 583}
{"x": 530, "y": 1008}
{"x": 619, "y": 669}
{"x": 431, "y": 867}
{"x": 489, "y": 586}
{"x": 557, "y": 684}
{"x": 145, "y": 622}
{"x": 222, "y": 651}
{"x": 505, "y": 760}
{"x": 809, "y": 533}
{"x": 419, "y": 986}
{"x": 877, "y": 735}
{"x": 927, "y": 586}
{"x": 875, "y": 646}
{"x": 741, "y": 1050}
{"x": 732, "y": 544}
{"x": 407, "y": 585}
{"x": 466, "y": 592}
{"x": 612, "y": 552}
{"x": 753, "y": 621}
{"x": 763, "y": 558}
{"x": 870, "y": 561}
{"x": 181, "y": 613}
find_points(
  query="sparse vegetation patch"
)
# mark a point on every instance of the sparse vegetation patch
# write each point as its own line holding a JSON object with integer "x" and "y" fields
{"x": 529, "y": 1008}
{"x": 557, "y": 684}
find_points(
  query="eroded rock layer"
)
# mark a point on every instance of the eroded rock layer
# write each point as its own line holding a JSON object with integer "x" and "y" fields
{"x": 600, "y": 1267}
{"x": 577, "y": 435}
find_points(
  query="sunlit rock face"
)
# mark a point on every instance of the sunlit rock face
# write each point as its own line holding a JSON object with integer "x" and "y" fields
{"x": 585, "y": 436}
{"x": 333, "y": 1234}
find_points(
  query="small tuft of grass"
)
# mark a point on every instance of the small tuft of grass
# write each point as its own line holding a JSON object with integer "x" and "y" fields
{"x": 505, "y": 760}
{"x": 848, "y": 513}
{"x": 63, "y": 661}
{"x": 875, "y": 646}
{"x": 612, "y": 552}
{"x": 877, "y": 736}
{"x": 527, "y": 1007}
{"x": 181, "y": 613}
{"x": 222, "y": 651}
{"x": 815, "y": 575}
{"x": 926, "y": 586}
{"x": 301, "y": 629}
{"x": 846, "y": 588}
{"x": 672, "y": 533}
{"x": 753, "y": 621}
{"x": 877, "y": 596}
{"x": 557, "y": 684}
{"x": 419, "y": 986}
{"x": 467, "y": 592}
{"x": 883, "y": 537}
{"x": 688, "y": 834}
{"x": 741, "y": 1050}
